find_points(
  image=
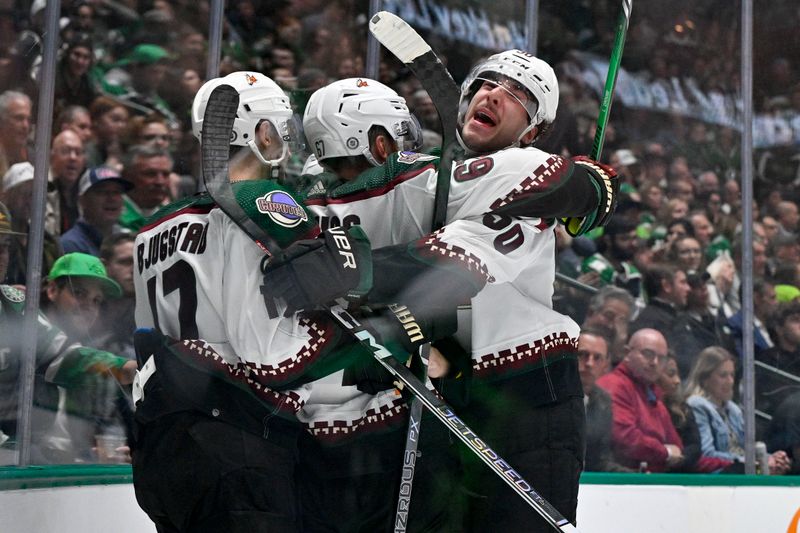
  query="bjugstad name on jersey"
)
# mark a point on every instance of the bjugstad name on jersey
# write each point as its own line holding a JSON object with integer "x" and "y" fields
{"x": 186, "y": 237}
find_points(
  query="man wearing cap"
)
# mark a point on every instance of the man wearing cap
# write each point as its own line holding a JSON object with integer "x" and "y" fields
{"x": 17, "y": 193}
{"x": 137, "y": 84}
{"x": 100, "y": 191}
{"x": 76, "y": 289}
{"x": 77, "y": 286}
{"x": 627, "y": 166}
{"x": 59, "y": 360}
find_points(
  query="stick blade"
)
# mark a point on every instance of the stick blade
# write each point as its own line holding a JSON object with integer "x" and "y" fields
{"x": 215, "y": 143}
{"x": 397, "y": 36}
{"x": 216, "y": 137}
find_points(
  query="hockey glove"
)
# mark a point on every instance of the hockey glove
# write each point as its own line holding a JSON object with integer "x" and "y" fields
{"x": 607, "y": 184}
{"x": 313, "y": 272}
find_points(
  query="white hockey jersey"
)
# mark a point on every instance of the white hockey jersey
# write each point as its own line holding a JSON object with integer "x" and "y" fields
{"x": 514, "y": 327}
{"x": 197, "y": 276}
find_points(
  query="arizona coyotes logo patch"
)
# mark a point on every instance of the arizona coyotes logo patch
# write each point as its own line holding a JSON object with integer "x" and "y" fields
{"x": 251, "y": 80}
{"x": 282, "y": 209}
{"x": 361, "y": 83}
{"x": 412, "y": 157}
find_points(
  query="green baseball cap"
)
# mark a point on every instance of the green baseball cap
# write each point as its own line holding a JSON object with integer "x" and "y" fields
{"x": 145, "y": 54}
{"x": 786, "y": 293}
{"x": 85, "y": 266}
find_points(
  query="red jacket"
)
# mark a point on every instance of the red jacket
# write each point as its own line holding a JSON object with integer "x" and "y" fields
{"x": 641, "y": 423}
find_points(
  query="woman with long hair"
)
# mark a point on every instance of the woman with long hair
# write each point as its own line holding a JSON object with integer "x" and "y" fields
{"x": 719, "y": 419}
{"x": 73, "y": 85}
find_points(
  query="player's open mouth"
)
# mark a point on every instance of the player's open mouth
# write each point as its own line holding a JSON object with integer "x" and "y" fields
{"x": 485, "y": 118}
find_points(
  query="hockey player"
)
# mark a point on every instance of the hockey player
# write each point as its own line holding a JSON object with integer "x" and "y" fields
{"x": 216, "y": 417}
{"x": 217, "y": 434}
{"x": 350, "y": 461}
{"x": 526, "y": 395}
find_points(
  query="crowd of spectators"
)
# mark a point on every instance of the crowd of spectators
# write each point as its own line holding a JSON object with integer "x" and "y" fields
{"x": 668, "y": 267}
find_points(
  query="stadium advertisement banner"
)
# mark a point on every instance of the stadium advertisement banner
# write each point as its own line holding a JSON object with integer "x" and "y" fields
{"x": 684, "y": 96}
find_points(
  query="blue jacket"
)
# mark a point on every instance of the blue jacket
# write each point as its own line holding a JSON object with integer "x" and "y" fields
{"x": 82, "y": 237}
{"x": 714, "y": 433}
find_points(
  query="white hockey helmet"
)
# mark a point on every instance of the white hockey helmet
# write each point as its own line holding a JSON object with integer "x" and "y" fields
{"x": 260, "y": 98}
{"x": 524, "y": 69}
{"x": 338, "y": 118}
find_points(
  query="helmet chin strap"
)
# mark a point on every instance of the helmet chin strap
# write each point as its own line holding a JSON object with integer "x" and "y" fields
{"x": 273, "y": 164}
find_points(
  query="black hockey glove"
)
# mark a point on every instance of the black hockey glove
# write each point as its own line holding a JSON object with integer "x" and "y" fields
{"x": 313, "y": 272}
{"x": 607, "y": 185}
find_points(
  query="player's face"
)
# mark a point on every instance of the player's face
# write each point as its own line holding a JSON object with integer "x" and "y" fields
{"x": 496, "y": 116}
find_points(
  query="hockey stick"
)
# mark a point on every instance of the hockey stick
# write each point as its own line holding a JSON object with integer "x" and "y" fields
{"x": 611, "y": 79}
{"x": 410, "y": 48}
{"x": 217, "y": 126}
{"x": 407, "y": 45}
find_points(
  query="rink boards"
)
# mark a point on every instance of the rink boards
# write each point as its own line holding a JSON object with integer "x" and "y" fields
{"x": 99, "y": 498}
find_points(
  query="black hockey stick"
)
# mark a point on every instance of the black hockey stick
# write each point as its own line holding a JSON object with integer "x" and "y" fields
{"x": 410, "y": 48}
{"x": 215, "y": 146}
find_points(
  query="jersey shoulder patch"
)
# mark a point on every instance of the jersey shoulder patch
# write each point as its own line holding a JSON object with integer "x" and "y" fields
{"x": 275, "y": 209}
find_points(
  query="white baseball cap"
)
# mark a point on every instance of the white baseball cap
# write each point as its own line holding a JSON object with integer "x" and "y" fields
{"x": 626, "y": 157}
{"x": 17, "y": 174}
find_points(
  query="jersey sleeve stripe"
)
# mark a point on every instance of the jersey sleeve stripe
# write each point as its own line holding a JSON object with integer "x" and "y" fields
{"x": 371, "y": 193}
{"x": 191, "y": 210}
